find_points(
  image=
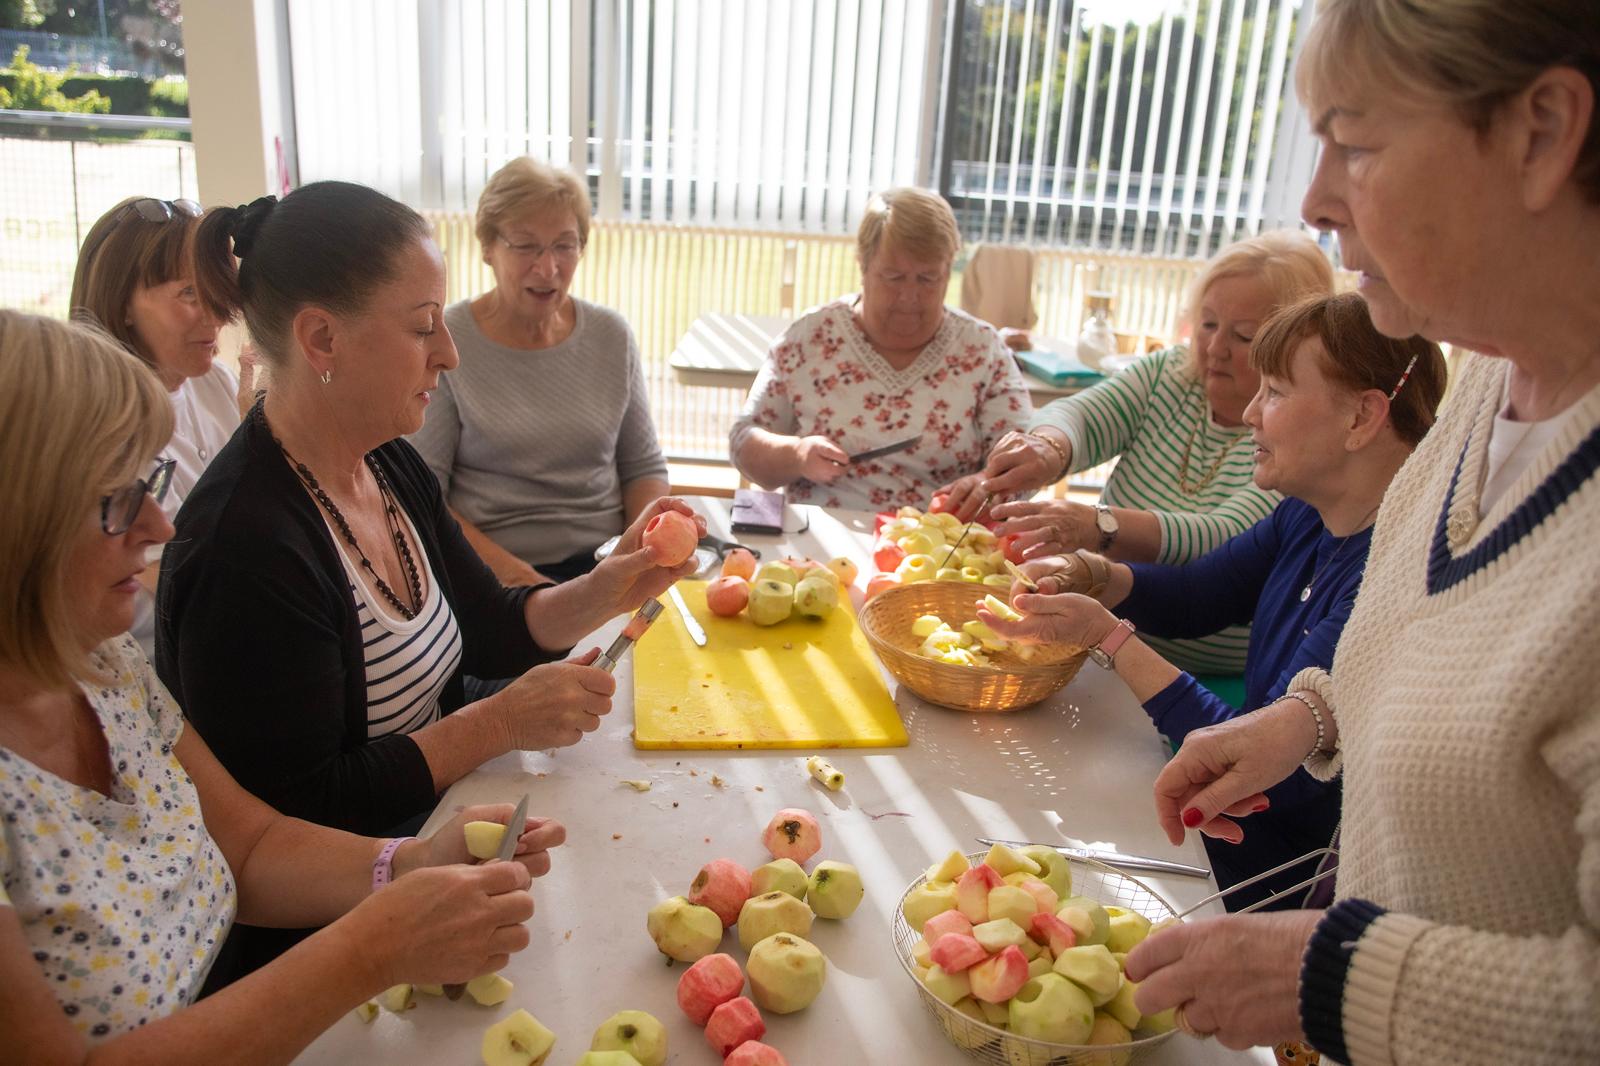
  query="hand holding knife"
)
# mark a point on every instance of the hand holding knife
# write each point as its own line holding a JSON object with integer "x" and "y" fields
{"x": 508, "y": 850}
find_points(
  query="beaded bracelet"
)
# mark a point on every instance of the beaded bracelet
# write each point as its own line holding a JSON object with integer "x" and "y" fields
{"x": 1060, "y": 454}
{"x": 1316, "y": 748}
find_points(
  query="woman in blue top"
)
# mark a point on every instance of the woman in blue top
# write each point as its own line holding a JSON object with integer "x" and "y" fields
{"x": 1339, "y": 410}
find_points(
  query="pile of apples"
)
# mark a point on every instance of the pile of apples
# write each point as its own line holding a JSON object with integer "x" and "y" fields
{"x": 774, "y": 591}
{"x": 913, "y": 545}
{"x": 1006, "y": 943}
{"x": 772, "y": 909}
{"x": 969, "y": 645}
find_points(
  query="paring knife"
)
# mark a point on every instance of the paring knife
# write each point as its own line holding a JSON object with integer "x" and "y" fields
{"x": 696, "y": 633}
{"x": 508, "y": 848}
{"x": 887, "y": 449}
{"x": 1110, "y": 858}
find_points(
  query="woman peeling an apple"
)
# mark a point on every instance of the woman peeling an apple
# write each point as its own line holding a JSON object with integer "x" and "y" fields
{"x": 127, "y": 850}
{"x": 318, "y": 542}
{"x": 1340, "y": 408}
{"x": 1461, "y": 707}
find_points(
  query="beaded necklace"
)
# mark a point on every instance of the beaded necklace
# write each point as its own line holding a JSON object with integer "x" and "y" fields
{"x": 391, "y": 519}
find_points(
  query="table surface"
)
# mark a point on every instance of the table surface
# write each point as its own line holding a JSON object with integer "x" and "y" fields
{"x": 1075, "y": 769}
{"x": 726, "y": 350}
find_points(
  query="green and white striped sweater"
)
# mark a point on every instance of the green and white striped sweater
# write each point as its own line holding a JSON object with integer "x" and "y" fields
{"x": 1144, "y": 418}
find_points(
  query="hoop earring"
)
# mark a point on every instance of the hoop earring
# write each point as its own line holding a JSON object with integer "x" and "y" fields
{"x": 327, "y": 376}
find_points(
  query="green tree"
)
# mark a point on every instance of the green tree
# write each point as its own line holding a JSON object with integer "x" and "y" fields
{"x": 35, "y": 89}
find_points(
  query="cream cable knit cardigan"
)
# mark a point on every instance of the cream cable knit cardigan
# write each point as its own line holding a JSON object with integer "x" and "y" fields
{"x": 1469, "y": 725}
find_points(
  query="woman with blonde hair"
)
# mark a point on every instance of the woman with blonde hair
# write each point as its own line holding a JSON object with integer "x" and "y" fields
{"x": 126, "y": 850}
{"x": 135, "y": 280}
{"x": 1174, "y": 422}
{"x": 541, "y": 439}
{"x": 1460, "y": 171}
{"x": 888, "y": 364}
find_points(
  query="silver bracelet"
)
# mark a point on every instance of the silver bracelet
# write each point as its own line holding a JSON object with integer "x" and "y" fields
{"x": 1316, "y": 748}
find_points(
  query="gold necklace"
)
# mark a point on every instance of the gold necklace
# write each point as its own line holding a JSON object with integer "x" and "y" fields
{"x": 1184, "y": 485}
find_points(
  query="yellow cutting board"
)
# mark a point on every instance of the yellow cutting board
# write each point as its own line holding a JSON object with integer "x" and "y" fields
{"x": 804, "y": 683}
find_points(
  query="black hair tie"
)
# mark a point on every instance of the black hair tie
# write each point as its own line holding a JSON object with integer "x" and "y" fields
{"x": 247, "y": 220}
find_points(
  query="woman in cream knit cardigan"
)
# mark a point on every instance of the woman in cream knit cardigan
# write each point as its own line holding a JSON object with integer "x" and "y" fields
{"x": 1463, "y": 708}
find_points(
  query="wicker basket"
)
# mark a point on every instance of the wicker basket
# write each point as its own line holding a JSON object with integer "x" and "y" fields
{"x": 988, "y": 1043}
{"x": 1007, "y": 685}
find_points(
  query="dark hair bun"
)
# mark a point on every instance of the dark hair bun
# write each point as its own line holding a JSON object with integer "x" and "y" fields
{"x": 246, "y": 223}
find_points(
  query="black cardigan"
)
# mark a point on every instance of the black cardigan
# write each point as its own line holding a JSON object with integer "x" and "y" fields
{"x": 258, "y": 640}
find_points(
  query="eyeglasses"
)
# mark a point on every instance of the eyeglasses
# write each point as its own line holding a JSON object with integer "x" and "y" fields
{"x": 565, "y": 252}
{"x": 120, "y": 508}
{"x": 149, "y": 209}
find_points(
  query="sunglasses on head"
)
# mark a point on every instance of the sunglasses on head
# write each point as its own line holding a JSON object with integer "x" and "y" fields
{"x": 149, "y": 209}
{"x": 120, "y": 508}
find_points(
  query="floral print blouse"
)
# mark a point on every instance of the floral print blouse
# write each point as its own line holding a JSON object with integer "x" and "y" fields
{"x": 125, "y": 898}
{"x": 822, "y": 378}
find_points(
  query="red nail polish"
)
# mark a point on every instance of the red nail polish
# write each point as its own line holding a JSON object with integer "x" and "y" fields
{"x": 1258, "y": 808}
{"x": 1192, "y": 817}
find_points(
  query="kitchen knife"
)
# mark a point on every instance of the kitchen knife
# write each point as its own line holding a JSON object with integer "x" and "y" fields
{"x": 887, "y": 449}
{"x": 1111, "y": 858}
{"x": 696, "y": 633}
{"x": 508, "y": 848}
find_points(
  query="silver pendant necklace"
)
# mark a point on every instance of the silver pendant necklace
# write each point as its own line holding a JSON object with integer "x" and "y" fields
{"x": 1305, "y": 593}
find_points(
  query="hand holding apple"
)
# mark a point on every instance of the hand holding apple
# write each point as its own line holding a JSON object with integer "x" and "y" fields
{"x": 538, "y": 835}
{"x": 1072, "y": 620}
{"x": 1023, "y": 462}
{"x": 1048, "y": 527}
{"x": 964, "y": 497}
{"x": 553, "y": 704}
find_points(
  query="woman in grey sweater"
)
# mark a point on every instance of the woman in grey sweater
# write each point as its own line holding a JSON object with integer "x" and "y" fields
{"x": 541, "y": 439}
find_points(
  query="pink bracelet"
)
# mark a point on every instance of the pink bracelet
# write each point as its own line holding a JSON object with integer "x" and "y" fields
{"x": 383, "y": 865}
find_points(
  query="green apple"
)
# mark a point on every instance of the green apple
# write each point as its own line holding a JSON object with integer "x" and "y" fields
{"x": 984, "y": 636}
{"x": 947, "y": 573}
{"x": 816, "y": 596}
{"x": 771, "y": 601}
{"x": 1126, "y": 930}
{"x": 949, "y": 868}
{"x": 786, "y": 973}
{"x": 1038, "y": 966}
{"x": 769, "y": 913}
{"x": 947, "y": 987}
{"x": 994, "y": 1013}
{"x": 972, "y": 575}
{"x": 1087, "y": 918}
{"x": 926, "y": 900}
{"x": 489, "y": 989}
{"x": 1009, "y": 901}
{"x": 781, "y": 572}
{"x": 927, "y": 625}
{"x": 483, "y": 839}
{"x": 779, "y": 875}
{"x": 1107, "y": 1030}
{"x": 682, "y": 930}
{"x": 635, "y": 1032}
{"x": 1055, "y": 869}
{"x": 921, "y": 953}
{"x": 1161, "y": 1021}
{"x": 607, "y": 1058}
{"x": 517, "y": 1040}
{"x": 1093, "y": 969}
{"x": 1051, "y": 1008}
{"x": 431, "y": 990}
{"x": 1004, "y": 860}
{"x": 998, "y": 581}
{"x": 834, "y": 890}
{"x": 1031, "y": 948}
{"x": 844, "y": 569}
{"x": 1121, "y": 1006}
{"x": 998, "y": 933}
{"x": 922, "y": 542}
{"x": 1002, "y": 609}
{"x": 915, "y": 568}
{"x": 962, "y": 1030}
{"x": 395, "y": 998}
{"x": 367, "y": 1011}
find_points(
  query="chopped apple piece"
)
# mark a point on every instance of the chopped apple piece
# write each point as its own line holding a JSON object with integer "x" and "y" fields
{"x": 484, "y": 839}
{"x": 396, "y": 998}
{"x": 489, "y": 989}
{"x": 517, "y": 1040}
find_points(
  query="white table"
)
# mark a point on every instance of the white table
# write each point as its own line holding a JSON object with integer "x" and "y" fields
{"x": 726, "y": 351}
{"x": 1075, "y": 769}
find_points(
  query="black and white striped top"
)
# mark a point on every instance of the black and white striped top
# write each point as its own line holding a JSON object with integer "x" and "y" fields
{"x": 407, "y": 663}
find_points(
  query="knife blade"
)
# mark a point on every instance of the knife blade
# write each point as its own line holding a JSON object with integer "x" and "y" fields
{"x": 1110, "y": 858}
{"x": 696, "y": 633}
{"x": 519, "y": 817}
{"x": 887, "y": 449}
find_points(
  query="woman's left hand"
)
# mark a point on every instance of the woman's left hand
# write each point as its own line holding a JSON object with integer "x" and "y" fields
{"x": 537, "y": 837}
{"x": 1048, "y": 527}
{"x": 1236, "y": 977}
{"x": 630, "y": 574}
{"x": 1070, "y": 619}
{"x": 633, "y": 537}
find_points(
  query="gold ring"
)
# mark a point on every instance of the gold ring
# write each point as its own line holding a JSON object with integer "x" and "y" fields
{"x": 1181, "y": 1019}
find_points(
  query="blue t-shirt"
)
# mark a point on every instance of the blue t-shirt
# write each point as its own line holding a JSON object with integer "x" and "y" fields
{"x": 1258, "y": 577}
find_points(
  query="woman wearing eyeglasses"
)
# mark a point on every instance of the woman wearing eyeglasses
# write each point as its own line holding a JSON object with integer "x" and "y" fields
{"x": 135, "y": 279}
{"x": 542, "y": 438}
{"x": 889, "y": 364}
{"x": 126, "y": 850}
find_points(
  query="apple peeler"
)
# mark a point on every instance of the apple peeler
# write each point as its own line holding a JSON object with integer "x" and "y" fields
{"x": 1325, "y": 868}
{"x": 630, "y": 635}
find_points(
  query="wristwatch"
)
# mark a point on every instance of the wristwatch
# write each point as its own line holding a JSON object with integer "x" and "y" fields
{"x": 1105, "y": 652}
{"x": 1106, "y": 523}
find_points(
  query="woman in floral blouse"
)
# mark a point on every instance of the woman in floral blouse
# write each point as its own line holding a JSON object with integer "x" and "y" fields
{"x": 126, "y": 850}
{"x": 888, "y": 363}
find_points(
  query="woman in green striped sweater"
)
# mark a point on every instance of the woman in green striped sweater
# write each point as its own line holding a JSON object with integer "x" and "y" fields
{"x": 1174, "y": 423}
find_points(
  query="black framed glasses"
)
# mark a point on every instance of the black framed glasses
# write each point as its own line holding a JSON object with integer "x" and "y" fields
{"x": 120, "y": 508}
{"x": 150, "y": 209}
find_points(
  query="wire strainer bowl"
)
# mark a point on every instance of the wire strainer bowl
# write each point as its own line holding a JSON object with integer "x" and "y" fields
{"x": 988, "y": 1043}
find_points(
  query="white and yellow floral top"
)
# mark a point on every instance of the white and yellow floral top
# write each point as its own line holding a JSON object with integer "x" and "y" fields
{"x": 124, "y": 899}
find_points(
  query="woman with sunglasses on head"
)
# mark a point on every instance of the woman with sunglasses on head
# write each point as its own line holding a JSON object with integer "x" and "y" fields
{"x": 126, "y": 850}
{"x": 541, "y": 439}
{"x": 135, "y": 279}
